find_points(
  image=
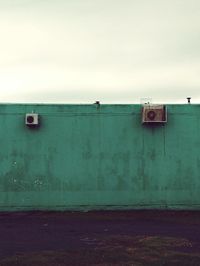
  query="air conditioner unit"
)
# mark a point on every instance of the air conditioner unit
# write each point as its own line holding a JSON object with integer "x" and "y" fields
{"x": 154, "y": 114}
{"x": 32, "y": 119}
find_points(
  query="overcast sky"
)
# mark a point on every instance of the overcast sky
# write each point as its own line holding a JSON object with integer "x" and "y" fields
{"x": 115, "y": 51}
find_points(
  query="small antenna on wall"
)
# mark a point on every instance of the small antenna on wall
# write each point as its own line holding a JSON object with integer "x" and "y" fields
{"x": 188, "y": 99}
{"x": 146, "y": 100}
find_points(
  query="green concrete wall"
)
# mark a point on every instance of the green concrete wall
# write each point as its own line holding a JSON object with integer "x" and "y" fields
{"x": 85, "y": 157}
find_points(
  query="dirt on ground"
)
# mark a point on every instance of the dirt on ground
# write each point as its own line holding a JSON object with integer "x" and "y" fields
{"x": 100, "y": 238}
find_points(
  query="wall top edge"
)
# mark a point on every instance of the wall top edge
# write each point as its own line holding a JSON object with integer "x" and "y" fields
{"x": 93, "y": 104}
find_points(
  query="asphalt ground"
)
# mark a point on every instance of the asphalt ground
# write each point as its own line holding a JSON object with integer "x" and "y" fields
{"x": 22, "y": 232}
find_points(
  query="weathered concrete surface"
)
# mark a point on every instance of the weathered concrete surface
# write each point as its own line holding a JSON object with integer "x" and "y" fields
{"x": 90, "y": 157}
{"x": 40, "y": 231}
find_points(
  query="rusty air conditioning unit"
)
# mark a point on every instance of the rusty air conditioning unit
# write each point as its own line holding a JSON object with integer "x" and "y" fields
{"x": 154, "y": 113}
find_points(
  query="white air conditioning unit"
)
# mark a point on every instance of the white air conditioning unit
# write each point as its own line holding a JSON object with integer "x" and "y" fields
{"x": 32, "y": 119}
{"x": 154, "y": 113}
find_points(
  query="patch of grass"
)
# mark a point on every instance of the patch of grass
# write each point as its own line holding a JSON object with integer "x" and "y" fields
{"x": 116, "y": 250}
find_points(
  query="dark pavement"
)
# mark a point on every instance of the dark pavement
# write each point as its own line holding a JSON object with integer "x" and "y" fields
{"x": 22, "y": 232}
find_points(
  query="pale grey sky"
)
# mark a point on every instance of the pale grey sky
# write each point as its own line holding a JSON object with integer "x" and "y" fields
{"x": 115, "y": 51}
